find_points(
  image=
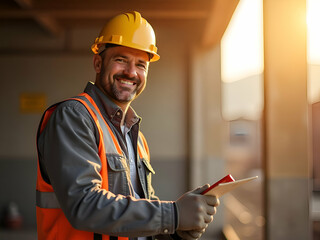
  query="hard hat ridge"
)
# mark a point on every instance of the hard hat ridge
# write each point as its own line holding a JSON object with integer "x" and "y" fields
{"x": 135, "y": 15}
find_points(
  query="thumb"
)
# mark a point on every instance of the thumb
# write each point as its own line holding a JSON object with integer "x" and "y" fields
{"x": 199, "y": 190}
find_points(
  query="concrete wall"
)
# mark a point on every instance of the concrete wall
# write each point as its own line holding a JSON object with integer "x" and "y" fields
{"x": 32, "y": 62}
{"x": 207, "y": 128}
{"x": 287, "y": 131}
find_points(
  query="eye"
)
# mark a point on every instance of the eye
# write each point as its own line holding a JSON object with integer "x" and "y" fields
{"x": 142, "y": 66}
{"x": 120, "y": 60}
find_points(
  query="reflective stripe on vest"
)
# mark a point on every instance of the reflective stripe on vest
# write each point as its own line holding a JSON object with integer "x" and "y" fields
{"x": 49, "y": 212}
{"x": 143, "y": 150}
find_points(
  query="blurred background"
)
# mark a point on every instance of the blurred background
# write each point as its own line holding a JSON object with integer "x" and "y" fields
{"x": 236, "y": 91}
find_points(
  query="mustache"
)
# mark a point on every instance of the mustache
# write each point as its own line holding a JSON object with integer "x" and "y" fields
{"x": 125, "y": 77}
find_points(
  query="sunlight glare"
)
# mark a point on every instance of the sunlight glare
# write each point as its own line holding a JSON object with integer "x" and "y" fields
{"x": 242, "y": 43}
{"x": 313, "y": 23}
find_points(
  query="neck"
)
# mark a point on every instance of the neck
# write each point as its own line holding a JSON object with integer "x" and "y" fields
{"x": 124, "y": 107}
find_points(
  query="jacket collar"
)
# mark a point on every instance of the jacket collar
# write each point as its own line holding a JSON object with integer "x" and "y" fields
{"x": 109, "y": 109}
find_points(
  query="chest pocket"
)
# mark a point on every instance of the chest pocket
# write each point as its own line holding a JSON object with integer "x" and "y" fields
{"x": 149, "y": 171}
{"x": 118, "y": 174}
{"x": 148, "y": 166}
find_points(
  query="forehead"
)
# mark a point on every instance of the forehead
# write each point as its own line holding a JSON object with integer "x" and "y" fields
{"x": 128, "y": 52}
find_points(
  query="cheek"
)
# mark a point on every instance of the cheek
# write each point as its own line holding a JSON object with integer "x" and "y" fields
{"x": 143, "y": 84}
{"x": 112, "y": 69}
{"x": 143, "y": 76}
{"x": 143, "y": 79}
{"x": 116, "y": 68}
{"x": 109, "y": 72}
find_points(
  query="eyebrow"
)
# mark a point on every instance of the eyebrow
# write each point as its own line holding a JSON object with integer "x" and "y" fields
{"x": 123, "y": 56}
{"x": 142, "y": 61}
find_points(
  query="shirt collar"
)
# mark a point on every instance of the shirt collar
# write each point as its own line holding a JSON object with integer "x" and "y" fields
{"x": 110, "y": 109}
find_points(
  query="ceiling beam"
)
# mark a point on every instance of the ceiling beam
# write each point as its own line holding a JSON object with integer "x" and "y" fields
{"x": 48, "y": 23}
{"x": 25, "y": 4}
{"x": 100, "y": 14}
{"x": 123, "y": 5}
{"x": 217, "y": 22}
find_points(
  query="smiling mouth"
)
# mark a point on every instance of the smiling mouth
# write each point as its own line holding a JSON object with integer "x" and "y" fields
{"x": 126, "y": 82}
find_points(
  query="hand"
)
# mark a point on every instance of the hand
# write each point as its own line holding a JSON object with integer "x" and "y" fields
{"x": 195, "y": 211}
{"x": 190, "y": 235}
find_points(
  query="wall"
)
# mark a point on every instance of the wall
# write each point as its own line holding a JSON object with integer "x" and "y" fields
{"x": 59, "y": 68}
{"x": 57, "y": 77}
{"x": 287, "y": 131}
{"x": 208, "y": 129}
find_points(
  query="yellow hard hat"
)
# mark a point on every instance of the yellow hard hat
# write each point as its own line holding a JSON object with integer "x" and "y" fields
{"x": 129, "y": 30}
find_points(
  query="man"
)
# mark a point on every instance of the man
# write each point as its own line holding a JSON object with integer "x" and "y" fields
{"x": 94, "y": 172}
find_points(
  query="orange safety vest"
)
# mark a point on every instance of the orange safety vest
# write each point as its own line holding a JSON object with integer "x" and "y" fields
{"x": 51, "y": 221}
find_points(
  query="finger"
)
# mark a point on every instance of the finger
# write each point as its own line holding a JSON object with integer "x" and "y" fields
{"x": 212, "y": 201}
{"x": 185, "y": 235}
{"x": 195, "y": 234}
{"x": 208, "y": 219}
{"x": 202, "y": 224}
{"x": 211, "y": 210}
{"x": 199, "y": 190}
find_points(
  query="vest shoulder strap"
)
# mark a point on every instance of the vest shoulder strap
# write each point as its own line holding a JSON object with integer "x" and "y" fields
{"x": 112, "y": 145}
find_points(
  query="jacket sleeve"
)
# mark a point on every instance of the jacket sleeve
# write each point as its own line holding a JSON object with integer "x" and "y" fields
{"x": 69, "y": 158}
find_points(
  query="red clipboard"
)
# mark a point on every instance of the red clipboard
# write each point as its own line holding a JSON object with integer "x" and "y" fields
{"x": 226, "y": 184}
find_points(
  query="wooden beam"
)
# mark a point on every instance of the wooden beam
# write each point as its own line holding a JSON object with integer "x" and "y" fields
{"x": 123, "y": 5}
{"x": 44, "y": 20}
{"x": 101, "y": 14}
{"x": 218, "y": 19}
{"x": 49, "y": 24}
{"x": 25, "y": 4}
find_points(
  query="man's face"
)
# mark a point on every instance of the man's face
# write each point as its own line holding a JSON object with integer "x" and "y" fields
{"x": 123, "y": 73}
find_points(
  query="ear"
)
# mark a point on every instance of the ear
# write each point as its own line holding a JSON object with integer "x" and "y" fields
{"x": 97, "y": 63}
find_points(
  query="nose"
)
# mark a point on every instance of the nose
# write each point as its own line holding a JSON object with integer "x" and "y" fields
{"x": 130, "y": 70}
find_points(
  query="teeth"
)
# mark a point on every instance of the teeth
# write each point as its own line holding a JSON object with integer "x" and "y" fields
{"x": 126, "y": 82}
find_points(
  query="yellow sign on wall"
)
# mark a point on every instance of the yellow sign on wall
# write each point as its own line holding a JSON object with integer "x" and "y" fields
{"x": 33, "y": 102}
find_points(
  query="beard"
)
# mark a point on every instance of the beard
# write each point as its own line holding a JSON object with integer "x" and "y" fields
{"x": 123, "y": 94}
{"x": 118, "y": 93}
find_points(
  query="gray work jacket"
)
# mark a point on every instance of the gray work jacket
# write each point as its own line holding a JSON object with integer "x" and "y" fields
{"x": 69, "y": 161}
